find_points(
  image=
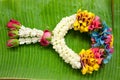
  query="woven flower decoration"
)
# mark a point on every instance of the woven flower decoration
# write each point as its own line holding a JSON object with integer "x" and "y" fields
{"x": 86, "y": 22}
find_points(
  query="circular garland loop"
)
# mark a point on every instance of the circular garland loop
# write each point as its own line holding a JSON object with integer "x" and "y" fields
{"x": 87, "y": 60}
{"x": 101, "y": 37}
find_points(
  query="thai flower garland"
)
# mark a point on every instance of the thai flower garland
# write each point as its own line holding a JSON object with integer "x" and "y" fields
{"x": 87, "y": 60}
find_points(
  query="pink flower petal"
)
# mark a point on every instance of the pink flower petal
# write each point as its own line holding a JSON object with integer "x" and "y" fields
{"x": 9, "y": 43}
{"x": 100, "y": 60}
{"x": 97, "y": 18}
{"x": 47, "y": 34}
{"x": 10, "y": 25}
{"x": 15, "y": 21}
{"x": 111, "y": 50}
{"x": 109, "y": 36}
{"x": 107, "y": 41}
{"x": 12, "y": 42}
{"x": 13, "y": 24}
{"x": 44, "y": 42}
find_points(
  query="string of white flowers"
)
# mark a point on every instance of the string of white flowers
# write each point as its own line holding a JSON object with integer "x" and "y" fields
{"x": 28, "y": 40}
{"x": 59, "y": 44}
{"x": 28, "y": 32}
{"x": 28, "y": 35}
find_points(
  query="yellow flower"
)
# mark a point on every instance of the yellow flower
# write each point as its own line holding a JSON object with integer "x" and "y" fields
{"x": 83, "y": 20}
{"x": 87, "y": 69}
{"x": 84, "y": 23}
{"x": 86, "y": 29}
{"x": 111, "y": 43}
{"x": 91, "y": 15}
{"x": 82, "y": 52}
{"x": 79, "y": 11}
{"x": 91, "y": 68}
{"x": 90, "y": 63}
{"x": 96, "y": 67}
{"x": 84, "y": 70}
{"x": 76, "y": 25}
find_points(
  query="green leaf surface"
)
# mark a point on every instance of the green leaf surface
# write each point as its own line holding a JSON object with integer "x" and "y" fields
{"x": 43, "y": 63}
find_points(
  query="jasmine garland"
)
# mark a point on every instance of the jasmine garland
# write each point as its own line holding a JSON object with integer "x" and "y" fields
{"x": 87, "y": 60}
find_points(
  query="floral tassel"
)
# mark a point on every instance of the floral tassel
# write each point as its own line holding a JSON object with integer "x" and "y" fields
{"x": 20, "y": 35}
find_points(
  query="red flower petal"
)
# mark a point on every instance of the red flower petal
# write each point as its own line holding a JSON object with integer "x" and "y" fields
{"x": 15, "y": 21}
{"x": 44, "y": 41}
{"x": 13, "y": 24}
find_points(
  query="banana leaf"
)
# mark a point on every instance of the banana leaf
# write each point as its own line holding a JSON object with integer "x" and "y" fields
{"x": 43, "y": 63}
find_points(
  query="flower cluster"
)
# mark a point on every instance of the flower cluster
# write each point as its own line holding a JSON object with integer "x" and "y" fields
{"x": 21, "y": 35}
{"x": 91, "y": 59}
{"x": 13, "y": 27}
{"x": 103, "y": 38}
{"x": 102, "y": 41}
{"x": 84, "y": 19}
{"x": 95, "y": 24}
{"x": 59, "y": 44}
